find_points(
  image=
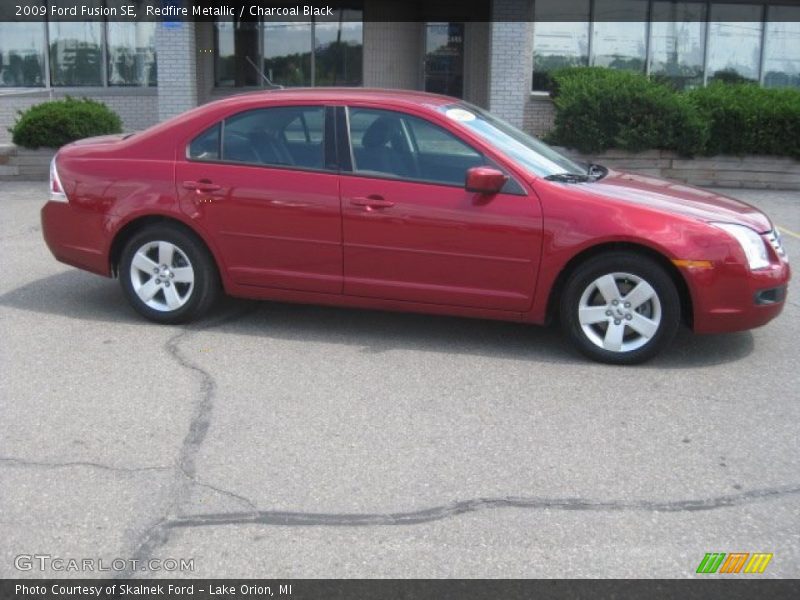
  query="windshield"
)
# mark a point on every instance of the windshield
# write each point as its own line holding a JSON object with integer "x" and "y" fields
{"x": 524, "y": 149}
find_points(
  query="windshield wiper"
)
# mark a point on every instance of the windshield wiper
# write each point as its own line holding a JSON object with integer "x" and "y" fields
{"x": 568, "y": 177}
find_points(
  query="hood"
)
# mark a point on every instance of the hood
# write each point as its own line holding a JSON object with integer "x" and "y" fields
{"x": 673, "y": 197}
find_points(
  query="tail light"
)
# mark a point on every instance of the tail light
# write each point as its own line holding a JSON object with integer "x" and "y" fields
{"x": 56, "y": 189}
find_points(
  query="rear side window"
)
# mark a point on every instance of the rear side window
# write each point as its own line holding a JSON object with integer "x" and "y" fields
{"x": 290, "y": 136}
{"x": 206, "y": 145}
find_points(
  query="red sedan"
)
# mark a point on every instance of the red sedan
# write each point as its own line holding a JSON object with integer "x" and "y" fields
{"x": 406, "y": 201}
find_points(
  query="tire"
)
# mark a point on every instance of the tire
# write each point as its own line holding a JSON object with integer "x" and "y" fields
{"x": 168, "y": 275}
{"x": 620, "y": 308}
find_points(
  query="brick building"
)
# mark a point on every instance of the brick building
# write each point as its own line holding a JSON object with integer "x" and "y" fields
{"x": 149, "y": 71}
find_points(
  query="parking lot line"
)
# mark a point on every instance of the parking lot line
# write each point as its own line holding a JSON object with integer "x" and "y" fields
{"x": 783, "y": 230}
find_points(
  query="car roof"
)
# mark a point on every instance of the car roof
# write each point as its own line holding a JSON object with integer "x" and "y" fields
{"x": 341, "y": 94}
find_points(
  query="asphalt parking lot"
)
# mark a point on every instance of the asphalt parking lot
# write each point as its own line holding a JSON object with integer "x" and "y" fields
{"x": 273, "y": 440}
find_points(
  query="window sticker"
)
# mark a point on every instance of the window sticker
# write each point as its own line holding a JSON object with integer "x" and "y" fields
{"x": 459, "y": 114}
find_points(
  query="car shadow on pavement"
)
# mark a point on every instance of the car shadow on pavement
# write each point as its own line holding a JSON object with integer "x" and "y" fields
{"x": 78, "y": 295}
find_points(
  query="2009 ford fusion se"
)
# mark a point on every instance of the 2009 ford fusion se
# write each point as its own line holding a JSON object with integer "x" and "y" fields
{"x": 406, "y": 201}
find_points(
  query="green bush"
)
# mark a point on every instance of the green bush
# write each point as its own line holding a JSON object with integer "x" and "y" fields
{"x": 53, "y": 124}
{"x": 599, "y": 108}
{"x": 748, "y": 119}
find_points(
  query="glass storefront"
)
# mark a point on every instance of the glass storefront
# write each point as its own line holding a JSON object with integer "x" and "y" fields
{"x": 79, "y": 54}
{"x": 22, "y": 49}
{"x": 315, "y": 52}
{"x": 685, "y": 43}
{"x": 444, "y": 59}
{"x": 677, "y": 43}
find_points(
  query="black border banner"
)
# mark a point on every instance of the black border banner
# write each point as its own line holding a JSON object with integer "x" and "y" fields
{"x": 366, "y": 10}
{"x": 389, "y": 589}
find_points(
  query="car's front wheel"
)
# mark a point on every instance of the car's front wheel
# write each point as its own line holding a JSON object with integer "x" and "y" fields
{"x": 168, "y": 275}
{"x": 620, "y": 308}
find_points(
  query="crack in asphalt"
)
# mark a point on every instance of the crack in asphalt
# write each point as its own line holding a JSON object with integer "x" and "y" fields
{"x": 228, "y": 493}
{"x": 78, "y": 463}
{"x": 453, "y": 509}
{"x": 157, "y": 533}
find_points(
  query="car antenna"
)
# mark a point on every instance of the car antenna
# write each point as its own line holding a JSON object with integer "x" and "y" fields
{"x": 273, "y": 86}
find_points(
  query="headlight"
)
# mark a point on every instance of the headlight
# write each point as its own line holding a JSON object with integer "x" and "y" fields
{"x": 752, "y": 244}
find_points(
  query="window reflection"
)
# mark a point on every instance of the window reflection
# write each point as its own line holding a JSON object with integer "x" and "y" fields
{"x": 620, "y": 44}
{"x": 236, "y": 40}
{"x": 75, "y": 53}
{"x": 734, "y": 46}
{"x": 782, "y": 50}
{"x": 22, "y": 49}
{"x": 338, "y": 47}
{"x": 677, "y": 43}
{"x": 131, "y": 53}
{"x": 444, "y": 58}
{"x": 287, "y": 53}
{"x": 558, "y": 44}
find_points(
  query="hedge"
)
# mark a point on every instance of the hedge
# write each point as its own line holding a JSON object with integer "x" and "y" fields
{"x": 53, "y": 124}
{"x": 749, "y": 119}
{"x": 598, "y": 109}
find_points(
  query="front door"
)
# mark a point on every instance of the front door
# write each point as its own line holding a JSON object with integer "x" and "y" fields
{"x": 264, "y": 195}
{"x": 444, "y": 59}
{"x": 412, "y": 232}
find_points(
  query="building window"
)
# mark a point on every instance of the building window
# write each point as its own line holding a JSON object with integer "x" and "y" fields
{"x": 677, "y": 43}
{"x": 782, "y": 47}
{"x": 76, "y": 55}
{"x": 338, "y": 49}
{"x": 734, "y": 45}
{"x": 327, "y": 51}
{"x": 77, "y": 51}
{"x": 620, "y": 44}
{"x": 558, "y": 44}
{"x": 686, "y": 43}
{"x": 22, "y": 48}
{"x": 132, "y": 54}
{"x": 287, "y": 53}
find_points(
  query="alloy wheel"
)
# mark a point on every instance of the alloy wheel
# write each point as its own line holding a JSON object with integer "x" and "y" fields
{"x": 162, "y": 276}
{"x": 619, "y": 312}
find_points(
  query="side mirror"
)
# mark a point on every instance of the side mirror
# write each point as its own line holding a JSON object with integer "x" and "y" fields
{"x": 485, "y": 180}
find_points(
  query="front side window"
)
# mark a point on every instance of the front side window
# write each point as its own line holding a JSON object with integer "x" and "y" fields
{"x": 287, "y": 136}
{"x": 391, "y": 144}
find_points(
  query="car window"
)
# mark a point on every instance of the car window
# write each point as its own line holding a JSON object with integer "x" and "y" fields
{"x": 387, "y": 143}
{"x": 282, "y": 136}
{"x": 306, "y": 127}
{"x": 206, "y": 145}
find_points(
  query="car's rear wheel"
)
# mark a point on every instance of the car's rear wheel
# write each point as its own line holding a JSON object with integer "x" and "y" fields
{"x": 168, "y": 275}
{"x": 620, "y": 308}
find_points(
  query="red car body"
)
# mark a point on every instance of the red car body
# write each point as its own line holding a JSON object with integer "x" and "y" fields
{"x": 335, "y": 237}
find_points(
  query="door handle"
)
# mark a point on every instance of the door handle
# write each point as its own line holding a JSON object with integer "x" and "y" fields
{"x": 204, "y": 185}
{"x": 373, "y": 201}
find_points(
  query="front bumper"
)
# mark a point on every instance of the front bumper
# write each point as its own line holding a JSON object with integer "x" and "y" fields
{"x": 730, "y": 297}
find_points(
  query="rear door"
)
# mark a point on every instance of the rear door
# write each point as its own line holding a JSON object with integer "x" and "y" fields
{"x": 411, "y": 230}
{"x": 264, "y": 185}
